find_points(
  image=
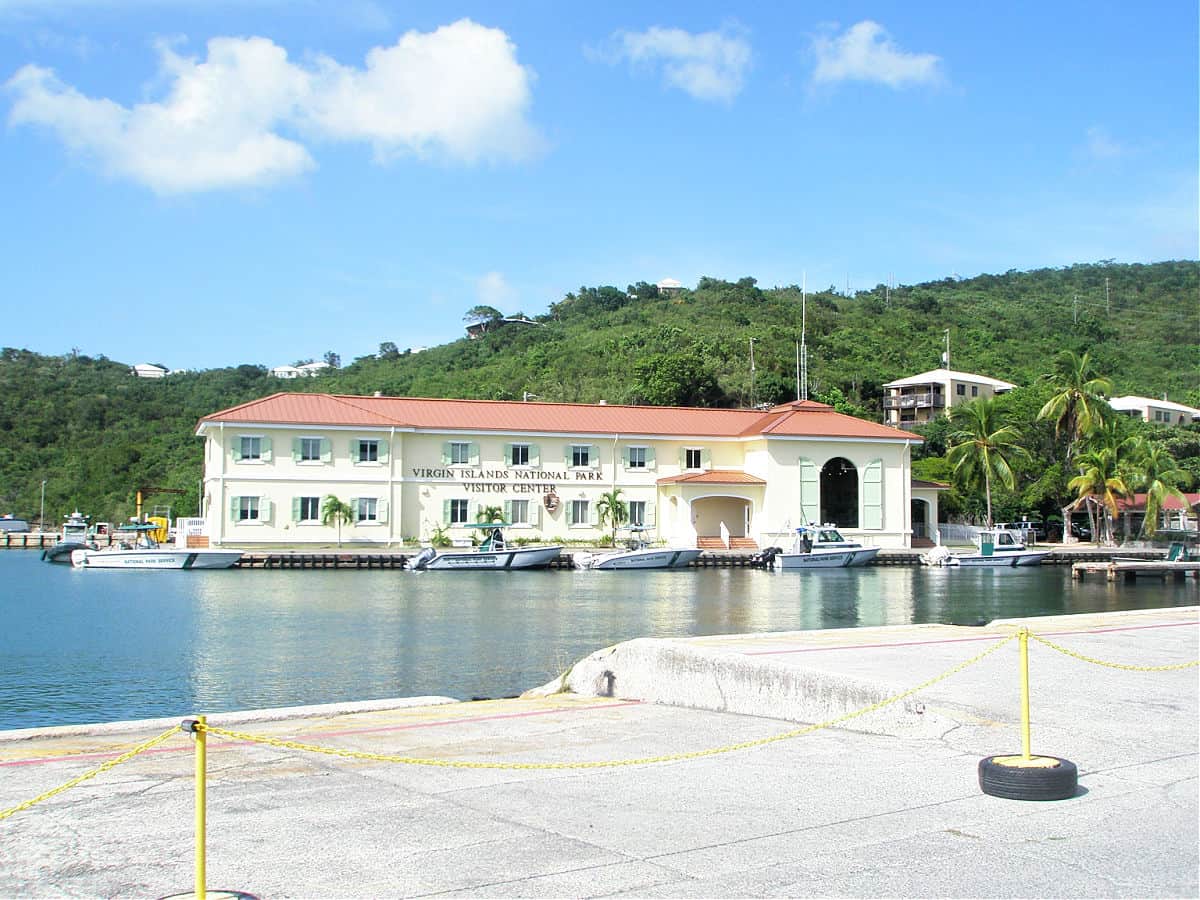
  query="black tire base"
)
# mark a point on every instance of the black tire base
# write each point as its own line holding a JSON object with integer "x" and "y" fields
{"x": 1058, "y": 782}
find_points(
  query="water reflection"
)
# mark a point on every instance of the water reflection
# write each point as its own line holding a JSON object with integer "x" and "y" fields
{"x": 85, "y": 646}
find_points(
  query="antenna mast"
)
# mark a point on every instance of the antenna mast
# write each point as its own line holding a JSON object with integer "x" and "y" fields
{"x": 802, "y": 350}
{"x": 946, "y": 355}
{"x": 752, "y": 373}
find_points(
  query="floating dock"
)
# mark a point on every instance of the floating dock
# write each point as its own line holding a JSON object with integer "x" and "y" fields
{"x": 1132, "y": 569}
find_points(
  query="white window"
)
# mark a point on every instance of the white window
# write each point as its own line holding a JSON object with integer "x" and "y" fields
{"x": 581, "y": 456}
{"x": 693, "y": 458}
{"x": 577, "y": 513}
{"x": 637, "y": 512}
{"x": 460, "y": 453}
{"x": 457, "y": 512}
{"x": 368, "y": 510}
{"x": 368, "y": 450}
{"x": 308, "y": 509}
{"x": 250, "y": 448}
{"x": 637, "y": 457}
{"x": 310, "y": 449}
{"x": 518, "y": 511}
{"x": 519, "y": 455}
{"x": 247, "y": 509}
{"x": 961, "y": 390}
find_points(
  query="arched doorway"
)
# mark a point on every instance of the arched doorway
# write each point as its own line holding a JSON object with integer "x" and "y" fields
{"x": 839, "y": 493}
{"x": 924, "y": 531}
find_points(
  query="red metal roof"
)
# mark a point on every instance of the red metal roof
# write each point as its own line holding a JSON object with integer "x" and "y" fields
{"x": 1137, "y": 503}
{"x": 800, "y": 419}
{"x": 714, "y": 476}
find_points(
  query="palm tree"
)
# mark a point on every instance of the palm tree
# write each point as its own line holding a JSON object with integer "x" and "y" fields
{"x": 1078, "y": 408}
{"x": 335, "y": 512}
{"x": 1156, "y": 472}
{"x": 610, "y": 506}
{"x": 1099, "y": 484}
{"x": 489, "y": 514}
{"x": 980, "y": 447}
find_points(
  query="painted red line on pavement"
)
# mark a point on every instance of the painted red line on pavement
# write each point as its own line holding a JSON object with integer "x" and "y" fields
{"x": 989, "y": 637}
{"x": 216, "y": 742}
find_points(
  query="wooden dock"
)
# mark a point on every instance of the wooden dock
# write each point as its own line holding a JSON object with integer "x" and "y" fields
{"x": 1131, "y": 569}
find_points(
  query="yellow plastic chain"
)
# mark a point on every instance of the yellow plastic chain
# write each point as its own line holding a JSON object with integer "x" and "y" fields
{"x": 103, "y": 767}
{"x": 1112, "y": 665}
{"x": 605, "y": 764}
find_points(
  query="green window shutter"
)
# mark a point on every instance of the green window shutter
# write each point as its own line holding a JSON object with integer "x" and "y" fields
{"x": 683, "y": 458}
{"x": 507, "y": 459}
{"x": 567, "y": 454}
{"x": 266, "y": 449}
{"x": 354, "y": 450}
{"x": 234, "y": 507}
{"x": 326, "y": 450}
{"x": 872, "y": 494}
{"x": 649, "y": 457}
{"x": 570, "y": 512}
{"x": 385, "y": 448}
{"x": 446, "y": 512}
{"x": 593, "y": 515}
{"x": 354, "y": 509}
{"x": 649, "y": 518}
{"x": 593, "y": 457}
{"x": 446, "y": 460}
{"x": 535, "y": 513}
{"x": 264, "y": 509}
{"x": 810, "y": 488}
{"x": 236, "y": 449}
{"x": 472, "y": 510}
{"x": 508, "y": 509}
{"x": 295, "y": 449}
{"x": 535, "y": 458}
{"x": 625, "y": 456}
{"x": 473, "y": 450}
{"x": 381, "y": 511}
{"x": 705, "y": 459}
{"x": 295, "y": 509}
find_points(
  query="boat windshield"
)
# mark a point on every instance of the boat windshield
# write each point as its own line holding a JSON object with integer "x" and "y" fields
{"x": 829, "y": 536}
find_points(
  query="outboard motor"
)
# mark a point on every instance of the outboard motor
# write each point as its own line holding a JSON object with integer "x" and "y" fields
{"x": 422, "y": 559}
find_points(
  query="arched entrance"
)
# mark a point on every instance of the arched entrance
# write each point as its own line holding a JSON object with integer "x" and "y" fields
{"x": 716, "y": 519}
{"x": 839, "y": 493}
{"x": 924, "y": 530}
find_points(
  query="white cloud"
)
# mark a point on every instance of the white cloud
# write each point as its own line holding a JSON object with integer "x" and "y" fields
{"x": 458, "y": 91}
{"x": 238, "y": 117}
{"x": 493, "y": 289}
{"x": 865, "y": 52}
{"x": 709, "y": 66}
{"x": 1100, "y": 145}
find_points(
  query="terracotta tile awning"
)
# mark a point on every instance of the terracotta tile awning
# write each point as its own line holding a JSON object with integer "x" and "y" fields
{"x": 715, "y": 476}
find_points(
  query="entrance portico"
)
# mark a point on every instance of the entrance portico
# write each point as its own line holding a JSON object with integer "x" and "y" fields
{"x": 712, "y": 510}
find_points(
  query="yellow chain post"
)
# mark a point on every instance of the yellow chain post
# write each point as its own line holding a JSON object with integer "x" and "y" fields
{"x": 1023, "y": 634}
{"x": 197, "y": 727}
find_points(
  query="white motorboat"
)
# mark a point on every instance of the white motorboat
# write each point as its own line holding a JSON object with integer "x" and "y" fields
{"x": 824, "y": 548}
{"x": 493, "y": 553}
{"x": 144, "y": 552}
{"x": 999, "y": 548}
{"x": 638, "y": 555}
{"x": 74, "y": 537}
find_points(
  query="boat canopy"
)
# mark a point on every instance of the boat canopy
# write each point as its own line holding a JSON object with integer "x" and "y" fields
{"x": 489, "y": 525}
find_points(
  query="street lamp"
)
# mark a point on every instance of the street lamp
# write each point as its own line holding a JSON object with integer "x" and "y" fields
{"x": 42, "y": 514}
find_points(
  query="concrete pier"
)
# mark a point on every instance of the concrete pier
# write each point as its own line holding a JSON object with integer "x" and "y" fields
{"x": 886, "y": 805}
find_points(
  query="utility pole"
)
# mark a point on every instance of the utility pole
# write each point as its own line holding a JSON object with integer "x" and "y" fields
{"x": 42, "y": 514}
{"x": 752, "y": 373}
{"x": 946, "y": 355}
{"x": 1075, "y": 310}
{"x": 1107, "y": 298}
{"x": 802, "y": 350}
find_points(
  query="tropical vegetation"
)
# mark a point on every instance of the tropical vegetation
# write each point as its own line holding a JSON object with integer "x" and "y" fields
{"x": 95, "y": 434}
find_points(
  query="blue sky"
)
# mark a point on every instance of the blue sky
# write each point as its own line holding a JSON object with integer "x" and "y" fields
{"x": 214, "y": 182}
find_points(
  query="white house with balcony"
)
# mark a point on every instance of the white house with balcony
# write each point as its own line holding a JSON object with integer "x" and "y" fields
{"x": 919, "y": 399}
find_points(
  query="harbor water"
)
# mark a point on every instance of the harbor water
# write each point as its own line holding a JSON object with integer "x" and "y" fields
{"x": 83, "y": 646}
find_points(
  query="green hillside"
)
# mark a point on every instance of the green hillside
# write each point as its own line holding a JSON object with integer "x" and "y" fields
{"x": 95, "y": 434}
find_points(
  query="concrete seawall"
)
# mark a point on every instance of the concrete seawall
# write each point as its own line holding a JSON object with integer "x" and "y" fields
{"x": 560, "y": 800}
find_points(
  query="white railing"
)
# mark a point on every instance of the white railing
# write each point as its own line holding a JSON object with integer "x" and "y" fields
{"x": 725, "y": 535}
{"x": 954, "y": 533}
